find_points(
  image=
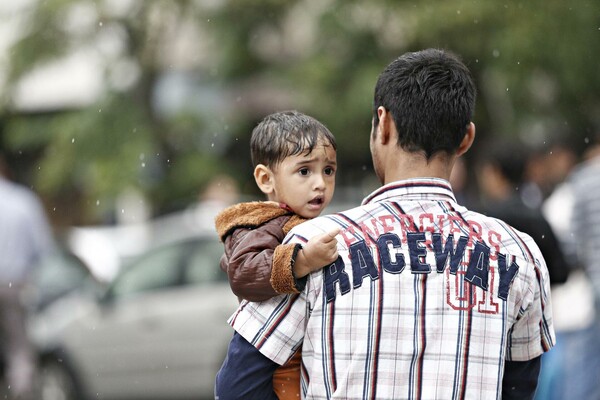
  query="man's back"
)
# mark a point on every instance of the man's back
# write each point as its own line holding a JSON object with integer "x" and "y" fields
{"x": 427, "y": 299}
{"x": 406, "y": 313}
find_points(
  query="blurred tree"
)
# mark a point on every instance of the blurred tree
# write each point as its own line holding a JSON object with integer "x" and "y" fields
{"x": 122, "y": 139}
{"x": 534, "y": 62}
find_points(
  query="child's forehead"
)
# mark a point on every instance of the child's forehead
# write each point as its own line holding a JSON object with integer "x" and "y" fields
{"x": 322, "y": 144}
{"x": 321, "y": 148}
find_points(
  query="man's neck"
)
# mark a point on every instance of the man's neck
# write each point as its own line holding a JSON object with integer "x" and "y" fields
{"x": 415, "y": 165}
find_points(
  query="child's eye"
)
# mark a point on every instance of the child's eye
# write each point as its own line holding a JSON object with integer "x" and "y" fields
{"x": 303, "y": 171}
{"x": 329, "y": 171}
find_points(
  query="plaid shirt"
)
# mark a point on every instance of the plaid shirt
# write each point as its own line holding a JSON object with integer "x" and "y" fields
{"x": 426, "y": 301}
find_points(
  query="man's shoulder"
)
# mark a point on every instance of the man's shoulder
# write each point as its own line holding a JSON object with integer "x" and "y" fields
{"x": 329, "y": 221}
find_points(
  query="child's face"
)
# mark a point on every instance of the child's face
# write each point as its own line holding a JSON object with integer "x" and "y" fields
{"x": 305, "y": 182}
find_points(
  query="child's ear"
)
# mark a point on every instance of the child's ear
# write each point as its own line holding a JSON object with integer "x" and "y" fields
{"x": 264, "y": 178}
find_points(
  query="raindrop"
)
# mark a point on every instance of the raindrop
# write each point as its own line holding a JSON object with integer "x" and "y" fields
{"x": 458, "y": 12}
{"x": 586, "y": 140}
{"x": 97, "y": 202}
{"x": 496, "y": 53}
{"x": 73, "y": 140}
{"x": 100, "y": 23}
{"x": 143, "y": 165}
{"x": 122, "y": 211}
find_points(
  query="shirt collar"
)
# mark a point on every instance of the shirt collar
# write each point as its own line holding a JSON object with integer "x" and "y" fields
{"x": 413, "y": 189}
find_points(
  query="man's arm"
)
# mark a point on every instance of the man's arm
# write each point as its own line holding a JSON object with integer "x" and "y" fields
{"x": 245, "y": 373}
{"x": 520, "y": 379}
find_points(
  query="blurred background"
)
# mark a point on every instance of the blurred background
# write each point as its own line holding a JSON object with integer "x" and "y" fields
{"x": 105, "y": 102}
{"x": 131, "y": 119}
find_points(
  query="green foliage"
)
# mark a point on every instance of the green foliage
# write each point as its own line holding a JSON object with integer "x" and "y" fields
{"x": 535, "y": 64}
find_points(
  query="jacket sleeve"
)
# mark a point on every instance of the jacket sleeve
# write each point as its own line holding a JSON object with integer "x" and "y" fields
{"x": 257, "y": 265}
{"x": 282, "y": 276}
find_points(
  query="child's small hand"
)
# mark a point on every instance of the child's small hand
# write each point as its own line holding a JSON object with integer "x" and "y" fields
{"x": 320, "y": 251}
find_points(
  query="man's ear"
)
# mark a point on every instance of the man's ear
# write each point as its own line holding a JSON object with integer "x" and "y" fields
{"x": 386, "y": 123}
{"x": 467, "y": 141}
{"x": 264, "y": 178}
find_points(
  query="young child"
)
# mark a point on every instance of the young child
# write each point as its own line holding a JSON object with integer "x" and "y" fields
{"x": 294, "y": 159}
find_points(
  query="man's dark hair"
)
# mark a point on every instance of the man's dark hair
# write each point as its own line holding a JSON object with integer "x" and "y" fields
{"x": 431, "y": 97}
{"x": 285, "y": 134}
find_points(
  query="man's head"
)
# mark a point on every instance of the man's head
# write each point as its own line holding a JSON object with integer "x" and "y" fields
{"x": 431, "y": 98}
{"x": 294, "y": 158}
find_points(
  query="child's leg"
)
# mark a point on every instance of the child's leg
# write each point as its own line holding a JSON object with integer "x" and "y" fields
{"x": 286, "y": 379}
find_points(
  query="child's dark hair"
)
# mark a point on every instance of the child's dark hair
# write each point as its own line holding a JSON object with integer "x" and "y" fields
{"x": 287, "y": 133}
{"x": 431, "y": 97}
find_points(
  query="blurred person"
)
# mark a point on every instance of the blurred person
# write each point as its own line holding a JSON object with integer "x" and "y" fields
{"x": 565, "y": 370}
{"x": 25, "y": 236}
{"x": 501, "y": 177}
{"x": 502, "y": 174}
{"x": 582, "y": 351}
{"x": 546, "y": 167}
{"x": 294, "y": 159}
{"x": 221, "y": 191}
{"x": 427, "y": 299}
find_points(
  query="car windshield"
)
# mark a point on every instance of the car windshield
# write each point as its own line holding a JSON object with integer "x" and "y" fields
{"x": 187, "y": 262}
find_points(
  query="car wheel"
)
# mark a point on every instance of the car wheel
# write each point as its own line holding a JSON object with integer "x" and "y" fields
{"x": 57, "y": 382}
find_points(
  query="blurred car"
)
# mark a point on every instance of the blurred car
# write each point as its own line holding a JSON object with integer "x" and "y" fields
{"x": 59, "y": 273}
{"x": 158, "y": 332}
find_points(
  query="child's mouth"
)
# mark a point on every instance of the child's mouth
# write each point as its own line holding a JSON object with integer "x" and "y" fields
{"x": 316, "y": 201}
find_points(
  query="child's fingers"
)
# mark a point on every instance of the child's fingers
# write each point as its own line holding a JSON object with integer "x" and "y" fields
{"x": 333, "y": 233}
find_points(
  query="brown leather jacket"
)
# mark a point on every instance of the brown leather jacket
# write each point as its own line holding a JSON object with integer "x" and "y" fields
{"x": 257, "y": 264}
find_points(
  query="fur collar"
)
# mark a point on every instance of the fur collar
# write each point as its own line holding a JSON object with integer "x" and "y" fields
{"x": 251, "y": 215}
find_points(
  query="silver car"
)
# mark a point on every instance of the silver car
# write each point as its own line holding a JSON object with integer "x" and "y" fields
{"x": 158, "y": 332}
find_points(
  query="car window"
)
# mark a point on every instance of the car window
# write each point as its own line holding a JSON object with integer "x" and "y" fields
{"x": 203, "y": 265}
{"x": 157, "y": 269}
{"x": 58, "y": 274}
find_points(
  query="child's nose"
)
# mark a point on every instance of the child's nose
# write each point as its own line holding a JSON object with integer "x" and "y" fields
{"x": 319, "y": 181}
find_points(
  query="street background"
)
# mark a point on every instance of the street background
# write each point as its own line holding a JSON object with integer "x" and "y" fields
{"x": 131, "y": 119}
